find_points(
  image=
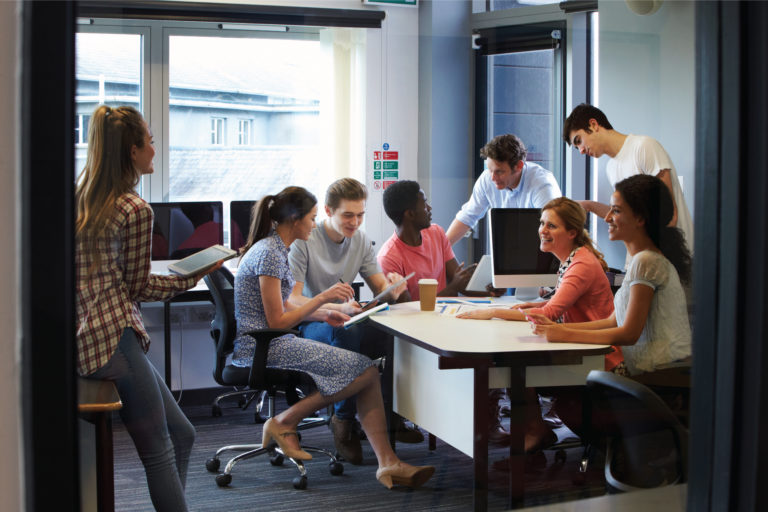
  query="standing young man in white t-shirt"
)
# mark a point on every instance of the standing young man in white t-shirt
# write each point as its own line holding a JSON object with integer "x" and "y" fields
{"x": 588, "y": 129}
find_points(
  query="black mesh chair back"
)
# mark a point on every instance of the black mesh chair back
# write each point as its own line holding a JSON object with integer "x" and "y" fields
{"x": 646, "y": 445}
{"x": 221, "y": 285}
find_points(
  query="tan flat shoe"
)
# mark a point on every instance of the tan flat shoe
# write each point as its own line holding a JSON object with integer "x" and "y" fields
{"x": 404, "y": 474}
{"x": 270, "y": 435}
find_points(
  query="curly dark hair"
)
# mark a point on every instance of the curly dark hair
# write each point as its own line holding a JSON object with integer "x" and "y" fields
{"x": 399, "y": 197}
{"x": 650, "y": 199}
{"x": 579, "y": 120}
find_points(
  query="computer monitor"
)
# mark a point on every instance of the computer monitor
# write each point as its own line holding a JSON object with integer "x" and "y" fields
{"x": 239, "y": 223}
{"x": 184, "y": 228}
{"x": 515, "y": 255}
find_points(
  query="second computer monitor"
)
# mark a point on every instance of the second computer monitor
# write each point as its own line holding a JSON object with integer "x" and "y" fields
{"x": 516, "y": 258}
{"x": 239, "y": 223}
{"x": 182, "y": 229}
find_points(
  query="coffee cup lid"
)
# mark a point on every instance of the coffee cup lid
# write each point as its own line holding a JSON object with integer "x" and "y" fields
{"x": 428, "y": 281}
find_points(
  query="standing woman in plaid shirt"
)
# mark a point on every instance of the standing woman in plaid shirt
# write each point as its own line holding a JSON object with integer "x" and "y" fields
{"x": 113, "y": 245}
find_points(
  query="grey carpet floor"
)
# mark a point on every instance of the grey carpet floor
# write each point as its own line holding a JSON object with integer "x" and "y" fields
{"x": 257, "y": 485}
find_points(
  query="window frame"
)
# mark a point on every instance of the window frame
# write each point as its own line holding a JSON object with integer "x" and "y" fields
{"x": 218, "y": 131}
{"x": 502, "y": 24}
{"x": 145, "y": 74}
{"x": 244, "y": 132}
{"x": 155, "y": 101}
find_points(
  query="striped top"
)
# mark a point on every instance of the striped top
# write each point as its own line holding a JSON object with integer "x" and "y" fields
{"x": 107, "y": 299}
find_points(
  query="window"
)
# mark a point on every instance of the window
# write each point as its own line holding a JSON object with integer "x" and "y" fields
{"x": 108, "y": 70}
{"x": 244, "y": 132}
{"x": 520, "y": 90}
{"x": 294, "y": 101}
{"x": 217, "y": 131}
{"x": 81, "y": 128}
{"x": 260, "y": 85}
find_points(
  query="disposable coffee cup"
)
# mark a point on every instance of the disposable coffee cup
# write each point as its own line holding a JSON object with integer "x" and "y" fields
{"x": 427, "y": 294}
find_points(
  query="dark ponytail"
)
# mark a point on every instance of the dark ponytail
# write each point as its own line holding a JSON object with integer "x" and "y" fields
{"x": 288, "y": 205}
{"x": 650, "y": 199}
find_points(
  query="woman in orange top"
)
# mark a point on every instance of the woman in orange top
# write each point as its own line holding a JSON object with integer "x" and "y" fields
{"x": 582, "y": 294}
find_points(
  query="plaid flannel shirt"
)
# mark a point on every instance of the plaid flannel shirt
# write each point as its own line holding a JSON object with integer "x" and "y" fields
{"x": 107, "y": 299}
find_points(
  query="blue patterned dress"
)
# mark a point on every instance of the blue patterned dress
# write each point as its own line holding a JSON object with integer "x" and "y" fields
{"x": 332, "y": 369}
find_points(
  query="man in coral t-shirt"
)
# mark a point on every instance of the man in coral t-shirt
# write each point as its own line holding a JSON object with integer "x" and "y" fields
{"x": 419, "y": 246}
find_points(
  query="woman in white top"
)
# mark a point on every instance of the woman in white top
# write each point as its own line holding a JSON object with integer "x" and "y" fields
{"x": 650, "y": 321}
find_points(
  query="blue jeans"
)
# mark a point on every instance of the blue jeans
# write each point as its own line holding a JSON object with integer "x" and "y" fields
{"x": 163, "y": 436}
{"x": 359, "y": 338}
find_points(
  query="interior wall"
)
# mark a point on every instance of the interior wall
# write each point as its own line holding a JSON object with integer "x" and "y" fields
{"x": 446, "y": 78}
{"x": 647, "y": 87}
{"x": 11, "y": 471}
{"x": 392, "y": 106}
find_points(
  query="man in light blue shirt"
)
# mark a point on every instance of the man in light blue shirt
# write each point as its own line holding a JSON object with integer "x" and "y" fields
{"x": 509, "y": 182}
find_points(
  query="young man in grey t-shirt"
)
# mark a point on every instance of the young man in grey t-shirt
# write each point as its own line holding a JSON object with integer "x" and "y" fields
{"x": 338, "y": 250}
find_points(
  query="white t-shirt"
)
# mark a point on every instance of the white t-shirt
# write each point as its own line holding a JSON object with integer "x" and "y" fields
{"x": 643, "y": 155}
{"x": 666, "y": 336}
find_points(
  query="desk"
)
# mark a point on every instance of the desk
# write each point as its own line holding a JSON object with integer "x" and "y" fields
{"x": 439, "y": 360}
{"x": 96, "y": 399}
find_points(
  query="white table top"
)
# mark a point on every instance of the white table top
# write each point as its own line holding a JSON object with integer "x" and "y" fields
{"x": 455, "y": 335}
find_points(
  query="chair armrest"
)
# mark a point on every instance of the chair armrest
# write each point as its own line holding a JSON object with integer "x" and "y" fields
{"x": 257, "y": 377}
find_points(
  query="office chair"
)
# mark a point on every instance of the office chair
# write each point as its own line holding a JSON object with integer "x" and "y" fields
{"x": 223, "y": 343}
{"x": 257, "y": 378}
{"x": 646, "y": 445}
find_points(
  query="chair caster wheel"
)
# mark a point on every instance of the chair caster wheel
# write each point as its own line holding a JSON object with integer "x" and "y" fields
{"x": 215, "y": 411}
{"x": 258, "y": 418}
{"x": 560, "y": 456}
{"x": 212, "y": 465}
{"x": 300, "y": 483}
{"x": 336, "y": 468}
{"x": 223, "y": 480}
{"x": 277, "y": 460}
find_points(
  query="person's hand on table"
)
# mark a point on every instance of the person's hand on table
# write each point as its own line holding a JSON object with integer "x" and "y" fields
{"x": 543, "y": 326}
{"x": 478, "y": 314}
{"x": 335, "y": 318}
{"x": 528, "y": 305}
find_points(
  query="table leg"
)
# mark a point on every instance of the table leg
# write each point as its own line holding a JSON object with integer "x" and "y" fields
{"x": 105, "y": 473}
{"x": 480, "y": 448}
{"x": 167, "y": 342}
{"x": 517, "y": 404}
{"x": 387, "y": 382}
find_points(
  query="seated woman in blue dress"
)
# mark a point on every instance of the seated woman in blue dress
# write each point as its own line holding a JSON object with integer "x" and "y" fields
{"x": 263, "y": 287}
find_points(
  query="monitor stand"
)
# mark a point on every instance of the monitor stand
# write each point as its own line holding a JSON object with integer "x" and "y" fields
{"x": 526, "y": 293}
